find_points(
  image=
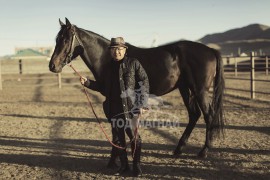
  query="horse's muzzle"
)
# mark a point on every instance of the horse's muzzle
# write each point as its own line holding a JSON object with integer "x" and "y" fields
{"x": 53, "y": 68}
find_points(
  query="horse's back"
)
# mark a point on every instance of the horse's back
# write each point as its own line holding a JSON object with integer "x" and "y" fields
{"x": 165, "y": 64}
{"x": 161, "y": 67}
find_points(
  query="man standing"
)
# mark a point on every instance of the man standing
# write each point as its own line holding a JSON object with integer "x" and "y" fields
{"x": 123, "y": 109}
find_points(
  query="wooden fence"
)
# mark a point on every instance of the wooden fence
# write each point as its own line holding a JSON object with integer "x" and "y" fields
{"x": 236, "y": 69}
{"x": 38, "y": 69}
{"x": 246, "y": 68}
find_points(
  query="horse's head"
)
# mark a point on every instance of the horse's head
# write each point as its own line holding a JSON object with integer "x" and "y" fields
{"x": 67, "y": 47}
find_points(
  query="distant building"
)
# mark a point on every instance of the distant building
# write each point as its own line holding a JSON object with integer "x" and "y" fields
{"x": 44, "y": 50}
{"x": 243, "y": 54}
{"x": 32, "y": 53}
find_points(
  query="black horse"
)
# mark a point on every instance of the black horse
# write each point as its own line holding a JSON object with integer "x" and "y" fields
{"x": 189, "y": 66}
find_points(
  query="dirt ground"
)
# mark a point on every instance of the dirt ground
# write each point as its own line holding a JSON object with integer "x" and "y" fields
{"x": 50, "y": 133}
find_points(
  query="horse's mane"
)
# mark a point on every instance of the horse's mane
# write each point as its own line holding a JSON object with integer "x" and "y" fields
{"x": 87, "y": 31}
{"x": 173, "y": 43}
{"x": 93, "y": 33}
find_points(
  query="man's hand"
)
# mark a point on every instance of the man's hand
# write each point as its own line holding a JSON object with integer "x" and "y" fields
{"x": 83, "y": 80}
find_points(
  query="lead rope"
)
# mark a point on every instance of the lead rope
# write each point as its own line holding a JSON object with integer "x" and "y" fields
{"x": 99, "y": 122}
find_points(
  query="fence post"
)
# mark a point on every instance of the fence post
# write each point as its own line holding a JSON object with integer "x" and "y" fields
{"x": 266, "y": 65}
{"x": 228, "y": 60}
{"x": 20, "y": 66}
{"x": 235, "y": 67}
{"x": 59, "y": 81}
{"x": 1, "y": 86}
{"x": 252, "y": 75}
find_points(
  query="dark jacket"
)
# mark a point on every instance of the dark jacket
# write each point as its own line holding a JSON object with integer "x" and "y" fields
{"x": 131, "y": 73}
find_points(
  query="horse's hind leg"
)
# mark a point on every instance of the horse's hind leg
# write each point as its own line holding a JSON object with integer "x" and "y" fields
{"x": 194, "y": 114}
{"x": 204, "y": 103}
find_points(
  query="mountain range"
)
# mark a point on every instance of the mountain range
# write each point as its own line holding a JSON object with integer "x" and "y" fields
{"x": 254, "y": 37}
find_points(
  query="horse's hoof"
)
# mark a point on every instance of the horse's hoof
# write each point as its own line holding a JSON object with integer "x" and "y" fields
{"x": 202, "y": 154}
{"x": 211, "y": 144}
{"x": 177, "y": 153}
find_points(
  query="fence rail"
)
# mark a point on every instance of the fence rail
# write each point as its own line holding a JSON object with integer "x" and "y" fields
{"x": 243, "y": 63}
{"x": 251, "y": 64}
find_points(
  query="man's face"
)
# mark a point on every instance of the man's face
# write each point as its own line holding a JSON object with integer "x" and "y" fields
{"x": 118, "y": 53}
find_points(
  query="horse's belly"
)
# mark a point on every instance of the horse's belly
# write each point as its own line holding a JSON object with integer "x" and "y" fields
{"x": 164, "y": 83}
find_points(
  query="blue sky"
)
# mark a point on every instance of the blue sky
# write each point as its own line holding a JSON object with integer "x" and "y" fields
{"x": 35, "y": 23}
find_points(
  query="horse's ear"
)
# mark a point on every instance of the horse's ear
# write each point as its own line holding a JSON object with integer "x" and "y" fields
{"x": 61, "y": 23}
{"x": 68, "y": 23}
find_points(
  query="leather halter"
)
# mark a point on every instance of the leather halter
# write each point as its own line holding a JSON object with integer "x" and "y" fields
{"x": 70, "y": 57}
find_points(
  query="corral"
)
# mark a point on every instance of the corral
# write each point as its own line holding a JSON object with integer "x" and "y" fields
{"x": 50, "y": 133}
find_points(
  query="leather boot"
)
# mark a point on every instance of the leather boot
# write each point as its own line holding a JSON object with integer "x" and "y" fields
{"x": 137, "y": 158}
{"x": 124, "y": 163}
{"x": 112, "y": 162}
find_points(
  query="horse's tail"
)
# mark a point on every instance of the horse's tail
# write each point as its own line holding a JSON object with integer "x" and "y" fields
{"x": 217, "y": 124}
